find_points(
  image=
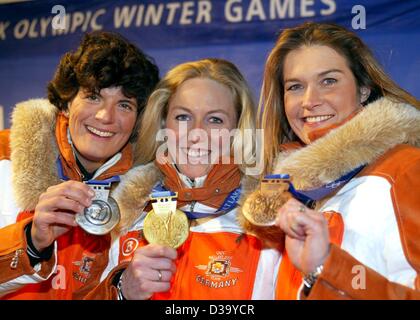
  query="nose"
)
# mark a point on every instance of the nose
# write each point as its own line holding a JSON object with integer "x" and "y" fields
{"x": 105, "y": 113}
{"x": 197, "y": 132}
{"x": 311, "y": 98}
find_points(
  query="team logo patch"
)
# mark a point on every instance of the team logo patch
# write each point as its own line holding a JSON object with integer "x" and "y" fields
{"x": 218, "y": 267}
{"x": 129, "y": 246}
{"x": 216, "y": 272}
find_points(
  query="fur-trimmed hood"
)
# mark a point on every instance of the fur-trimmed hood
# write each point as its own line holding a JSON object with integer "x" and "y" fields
{"x": 34, "y": 150}
{"x": 381, "y": 126}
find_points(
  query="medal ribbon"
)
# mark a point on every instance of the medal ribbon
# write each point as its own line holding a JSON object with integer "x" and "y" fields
{"x": 309, "y": 196}
{"x": 230, "y": 202}
{"x": 63, "y": 177}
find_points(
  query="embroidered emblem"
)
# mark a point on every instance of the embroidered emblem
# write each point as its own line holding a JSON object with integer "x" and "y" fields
{"x": 85, "y": 266}
{"x": 217, "y": 271}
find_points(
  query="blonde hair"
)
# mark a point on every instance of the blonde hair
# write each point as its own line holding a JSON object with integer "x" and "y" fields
{"x": 366, "y": 70}
{"x": 219, "y": 70}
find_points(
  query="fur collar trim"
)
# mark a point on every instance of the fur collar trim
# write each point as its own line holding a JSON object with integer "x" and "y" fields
{"x": 132, "y": 193}
{"x": 34, "y": 151}
{"x": 381, "y": 126}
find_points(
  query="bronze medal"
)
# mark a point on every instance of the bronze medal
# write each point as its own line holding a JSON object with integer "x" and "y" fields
{"x": 261, "y": 207}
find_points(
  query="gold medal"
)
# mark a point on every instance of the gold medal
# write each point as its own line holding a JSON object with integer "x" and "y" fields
{"x": 165, "y": 224}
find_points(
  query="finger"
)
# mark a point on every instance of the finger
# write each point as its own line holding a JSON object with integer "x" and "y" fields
{"x": 158, "y": 275}
{"x": 295, "y": 205}
{"x": 312, "y": 223}
{"x": 286, "y": 222}
{"x": 153, "y": 263}
{"x": 74, "y": 190}
{"x": 60, "y": 218}
{"x": 155, "y": 286}
{"x": 156, "y": 250}
{"x": 293, "y": 223}
{"x": 59, "y": 203}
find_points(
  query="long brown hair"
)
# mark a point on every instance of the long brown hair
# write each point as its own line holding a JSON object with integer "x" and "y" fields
{"x": 366, "y": 70}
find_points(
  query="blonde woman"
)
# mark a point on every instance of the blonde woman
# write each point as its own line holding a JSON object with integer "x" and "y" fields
{"x": 198, "y": 103}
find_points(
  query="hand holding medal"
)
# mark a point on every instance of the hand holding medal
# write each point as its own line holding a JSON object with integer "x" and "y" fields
{"x": 152, "y": 267}
{"x": 274, "y": 215}
{"x": 55, "y": 211}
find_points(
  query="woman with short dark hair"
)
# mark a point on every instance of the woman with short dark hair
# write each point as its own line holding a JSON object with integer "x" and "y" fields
{"x": 62, "y": 153}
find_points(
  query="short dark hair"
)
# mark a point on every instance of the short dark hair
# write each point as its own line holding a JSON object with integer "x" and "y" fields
{"x": 103, "y": 60}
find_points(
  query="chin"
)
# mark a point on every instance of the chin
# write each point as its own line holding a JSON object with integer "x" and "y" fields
{"x": 97, "y": 158}
{"x": 196, "y": 172}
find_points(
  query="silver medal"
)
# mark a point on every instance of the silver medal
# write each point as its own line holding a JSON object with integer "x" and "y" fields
{"x": 103, "y": 215}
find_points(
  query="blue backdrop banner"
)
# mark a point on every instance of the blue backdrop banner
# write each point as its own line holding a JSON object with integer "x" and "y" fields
{"x": 33, "y": 35}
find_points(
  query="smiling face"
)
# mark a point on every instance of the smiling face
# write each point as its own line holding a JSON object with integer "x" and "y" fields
{"x": 100, "y": 124}
{"x": 319, "y": 89}
{"x": 198, "y": 107}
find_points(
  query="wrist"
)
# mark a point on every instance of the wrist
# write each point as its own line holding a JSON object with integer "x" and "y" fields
{"x": 35, "y": 255}
{"x": 310, "y": 278}
{"x": 118, "y": 283}
{"x": 40, "y": 240}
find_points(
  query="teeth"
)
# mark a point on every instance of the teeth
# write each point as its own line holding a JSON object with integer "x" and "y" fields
{"x": 197, "y": 153}
{"x": 100, "y": 133}
{"x": 317, "y": 118}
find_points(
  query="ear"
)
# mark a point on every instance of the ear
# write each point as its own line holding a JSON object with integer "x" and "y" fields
{"x": 364, "y": 94}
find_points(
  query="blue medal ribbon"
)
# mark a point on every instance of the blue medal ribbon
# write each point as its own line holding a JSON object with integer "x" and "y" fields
{"x": 309, "y": 196}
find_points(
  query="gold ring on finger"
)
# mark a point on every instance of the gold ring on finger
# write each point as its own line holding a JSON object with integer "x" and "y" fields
{"x": 159, "y": 275}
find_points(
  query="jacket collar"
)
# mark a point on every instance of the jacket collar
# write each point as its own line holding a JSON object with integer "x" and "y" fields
{"x": 221, "y": 180}
{"x": 381, "y": 126}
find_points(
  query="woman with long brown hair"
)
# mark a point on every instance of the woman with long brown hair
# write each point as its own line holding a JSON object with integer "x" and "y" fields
{"x": 348, "y": 137}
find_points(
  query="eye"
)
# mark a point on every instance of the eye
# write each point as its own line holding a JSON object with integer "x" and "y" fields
{"x": 215, "y": 120}
{"x": 183, "y": 117}
{"x": 294, "y": 87}
{"x": 126, "y": 106}
{"x": 93, "y": 97}
{"x": 329, "y": 81}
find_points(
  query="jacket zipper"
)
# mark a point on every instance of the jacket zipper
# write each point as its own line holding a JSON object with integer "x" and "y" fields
{"x": 15, "y": 259}
{"x": 192, "y": 205}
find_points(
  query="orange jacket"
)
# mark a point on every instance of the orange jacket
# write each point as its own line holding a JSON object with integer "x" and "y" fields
{"x": 217, "y": 261}
{"x": 378, "y": 255}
